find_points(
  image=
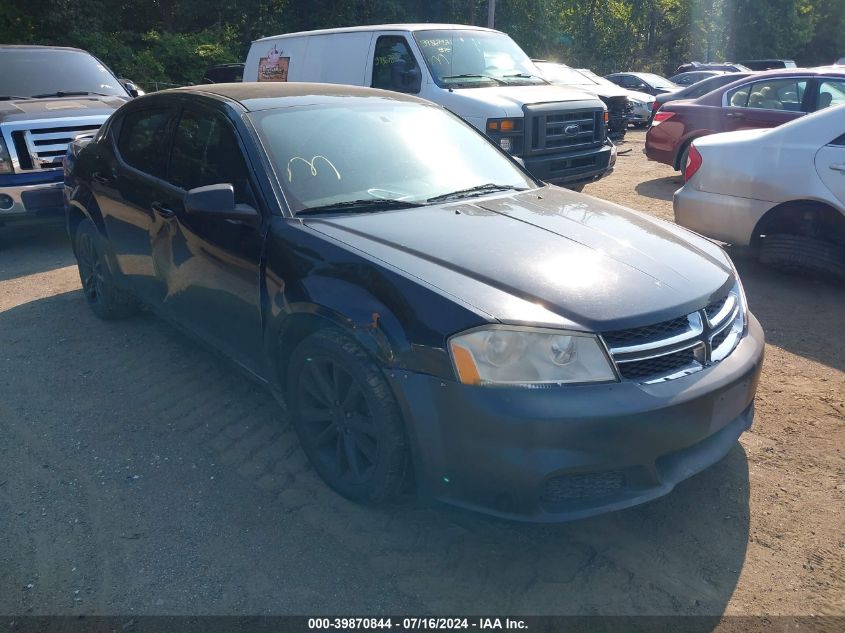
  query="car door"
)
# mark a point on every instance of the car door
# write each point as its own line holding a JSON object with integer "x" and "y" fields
{"x": 125, "y": 184}
{"x": 766, "y": 103}
{"x": 830, "y": 164}
{"x": 210, "y": 265}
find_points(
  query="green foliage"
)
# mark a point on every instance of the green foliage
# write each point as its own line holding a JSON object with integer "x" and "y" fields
{"x": 174, "y": 41}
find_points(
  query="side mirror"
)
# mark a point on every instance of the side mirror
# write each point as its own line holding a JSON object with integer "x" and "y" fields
{"x": 132, "y": 88}
{"x": 218, "y": 201}
{"x": 404, "y": 79}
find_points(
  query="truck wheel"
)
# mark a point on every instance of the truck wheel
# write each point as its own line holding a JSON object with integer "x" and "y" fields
{"x": 346, "y": 417}
{"x": 800, "y": 253}
{"x": 105, "y": 299}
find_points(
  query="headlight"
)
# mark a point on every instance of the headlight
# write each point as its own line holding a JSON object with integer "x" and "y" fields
{"x": 507, "y": 133}
{"x": 528, "y": 356}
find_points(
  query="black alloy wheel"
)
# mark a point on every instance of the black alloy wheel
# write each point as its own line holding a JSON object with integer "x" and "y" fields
{"x": 346, "y": 417}
{"x": 105, "y": 299}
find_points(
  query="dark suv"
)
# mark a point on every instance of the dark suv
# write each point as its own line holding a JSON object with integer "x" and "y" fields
{"x": 48, "y": 97}
{"x": 428, "y": 312}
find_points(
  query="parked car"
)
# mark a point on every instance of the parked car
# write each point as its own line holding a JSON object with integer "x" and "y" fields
{"x": 781, "y": 190}
{"x": 694, "y": 76}
{"x": 640, "y": 102}
{"x": 643, "y": 82}
{"x": 761, "y": 100}
{"x": 479, "y": 74}
{"x": 427, "y": 311}
{"x": 615, "y": 98}
{"x": 729, "y": 67}
{"x": 49, "y": 95}
{"x": 697, "y": 90}
{"x": 768, "y": 64}
{"x": 223, "y": 74}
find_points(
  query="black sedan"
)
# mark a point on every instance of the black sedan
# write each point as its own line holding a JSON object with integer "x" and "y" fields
{"x": 426, "y": 310}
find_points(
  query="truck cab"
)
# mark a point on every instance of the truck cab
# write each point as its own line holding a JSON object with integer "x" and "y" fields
{"x": 49, "y": 96}
{"x": 479, "y": 74}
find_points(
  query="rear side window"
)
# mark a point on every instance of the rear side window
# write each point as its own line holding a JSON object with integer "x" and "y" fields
{"x": 142, "y": 140}
{"x": 831, "y": 93}
{"x": 206, "y": 152}
{"x": 772, "y": 94}
{"x": 394, "y": 65}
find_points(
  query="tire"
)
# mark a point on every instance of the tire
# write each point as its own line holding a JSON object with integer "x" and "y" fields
{"x": 106, "y": 300}
{"x": 797, "y": 253}
{"x": 682, "y": 163}
{"x": 346, "y": 417}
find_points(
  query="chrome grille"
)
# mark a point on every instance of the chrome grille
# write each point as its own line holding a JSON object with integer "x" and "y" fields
{"x": 40, "y": 145}
{"x": 550, "y": 129}
{"x": 677, "y": 347}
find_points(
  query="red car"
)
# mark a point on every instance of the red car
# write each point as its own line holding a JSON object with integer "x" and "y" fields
{"x": 761, "y": 100}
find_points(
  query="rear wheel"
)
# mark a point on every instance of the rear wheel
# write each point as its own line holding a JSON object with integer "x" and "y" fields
{"x": 346, "y": 417}
{"x": 105, "y": 299}
{"x": 799, "y": 253}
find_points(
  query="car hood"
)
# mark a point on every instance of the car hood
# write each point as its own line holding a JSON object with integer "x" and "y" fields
{"x": 468, "y": 102}
{"x": 599, "y": 89}
{"x": 640, "y": 96}
{"x": 29, "y": 109}
{"x": 547, "y": 257}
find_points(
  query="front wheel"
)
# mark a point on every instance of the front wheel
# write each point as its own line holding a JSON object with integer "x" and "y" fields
{"x": 346, "y": 417}
{"x": 799, "y": 253}
{"x": 105, "y": 299}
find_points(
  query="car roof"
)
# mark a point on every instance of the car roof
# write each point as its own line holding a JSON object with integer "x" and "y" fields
{"x": 254, "y": 96}
{"x": 38, "y": 47}
{"x": 383, "y": 27}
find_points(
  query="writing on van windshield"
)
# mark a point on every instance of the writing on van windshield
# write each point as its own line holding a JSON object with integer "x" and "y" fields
{"x": 312, "y": 164}
{"x": 273, "y": 67}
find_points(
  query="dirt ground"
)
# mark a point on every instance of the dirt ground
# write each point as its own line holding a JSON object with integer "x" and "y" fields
{"x": 141, "y": 474}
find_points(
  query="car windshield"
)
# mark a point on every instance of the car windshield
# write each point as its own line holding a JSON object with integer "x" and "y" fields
{"x": 29, "y": 72}
{"x": 656, "y": 81}
{"x": 472, "y": 59}
{"x": 406, "y": 153}
{"x": 560, "y": 74}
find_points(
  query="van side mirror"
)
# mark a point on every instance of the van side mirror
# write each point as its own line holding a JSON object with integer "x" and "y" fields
{"x": 131, "y": 87}
{"x": 218, "y": 201}
{"x": 404, "y": 79}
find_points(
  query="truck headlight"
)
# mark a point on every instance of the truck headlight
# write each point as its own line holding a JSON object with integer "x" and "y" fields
{"x": 507, "y": 134}
{"x": 505, "y": 355}
{"x": 5, "y": 159}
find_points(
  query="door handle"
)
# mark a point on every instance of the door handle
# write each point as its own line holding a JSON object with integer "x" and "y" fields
{"x": 735, "y": 115}
{"x": 838, "y": 167}
{"x": 98, "y": 177}
{"x": 161, "y": 210}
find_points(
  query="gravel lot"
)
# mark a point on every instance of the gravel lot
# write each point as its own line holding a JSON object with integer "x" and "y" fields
{"x": 141, "y": 474}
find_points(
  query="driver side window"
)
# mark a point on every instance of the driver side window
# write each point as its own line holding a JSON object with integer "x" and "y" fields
{"x": 394, "y": 65}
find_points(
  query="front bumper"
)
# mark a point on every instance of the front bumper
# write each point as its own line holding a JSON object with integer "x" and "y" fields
{"x": 571, "y": 168}
{"x": 721, "y": 217}
{"x": 567, "y": 453}
{"x": 24, "y": 198}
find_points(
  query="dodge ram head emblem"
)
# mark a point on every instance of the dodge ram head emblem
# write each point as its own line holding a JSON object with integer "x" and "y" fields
{"x": 572, "y": 130}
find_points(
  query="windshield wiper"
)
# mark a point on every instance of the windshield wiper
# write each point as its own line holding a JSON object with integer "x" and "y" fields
{"x": 474, "y": 191}
{"x": 377, "y": 204}
{"x": 470, "y": 75}
{"x": 69, "y": 93}
{"x": 525, "y": 76}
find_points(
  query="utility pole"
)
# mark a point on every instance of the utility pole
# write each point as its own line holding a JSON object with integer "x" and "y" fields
{"x": 491, "y": 13}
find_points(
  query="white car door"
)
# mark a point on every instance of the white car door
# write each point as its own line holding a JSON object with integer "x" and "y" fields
{"x": 830, "y": 164}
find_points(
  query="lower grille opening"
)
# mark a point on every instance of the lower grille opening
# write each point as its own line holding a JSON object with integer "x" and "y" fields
{"x": 566, "y": 488}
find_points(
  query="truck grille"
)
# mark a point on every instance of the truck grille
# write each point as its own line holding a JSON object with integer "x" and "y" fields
{"x": 550, "y": 129}
{"x": 39, "y": 146}
{"x": 680, "y": 346}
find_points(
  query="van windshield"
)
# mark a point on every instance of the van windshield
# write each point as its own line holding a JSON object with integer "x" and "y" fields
{"x": 31, "y": 72}
{"x": 380, "y": 152}
{"x": 471, "y": 59}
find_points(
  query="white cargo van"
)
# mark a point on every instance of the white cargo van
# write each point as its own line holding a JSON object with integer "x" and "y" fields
{"x": 480, "y": 74}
